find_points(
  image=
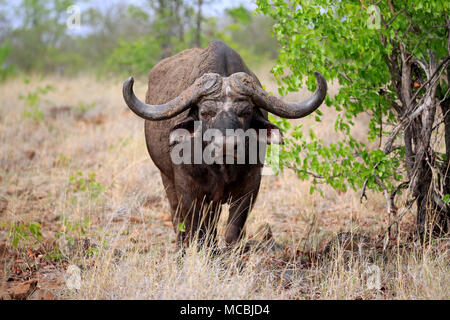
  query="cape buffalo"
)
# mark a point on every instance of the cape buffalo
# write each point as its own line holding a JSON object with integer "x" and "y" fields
{"x": 212, "y": 87}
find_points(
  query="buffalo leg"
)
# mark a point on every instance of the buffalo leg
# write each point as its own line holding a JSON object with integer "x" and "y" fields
{"x": 170, "y": 192}
{"x": 239, "y": 210}
{"x": 174, "y": 208}
{"x": 196, "y": 220}
{"x": 208, "y": 224}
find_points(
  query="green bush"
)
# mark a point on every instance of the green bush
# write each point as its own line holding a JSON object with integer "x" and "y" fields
{"x": 134, "y": 58}
{"x": 6, "y": 69}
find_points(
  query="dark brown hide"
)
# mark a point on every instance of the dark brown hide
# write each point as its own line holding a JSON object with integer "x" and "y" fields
{"x": 188, "y": 189}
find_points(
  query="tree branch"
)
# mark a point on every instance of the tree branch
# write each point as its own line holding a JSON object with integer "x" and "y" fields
{"x": 396, "y": 15}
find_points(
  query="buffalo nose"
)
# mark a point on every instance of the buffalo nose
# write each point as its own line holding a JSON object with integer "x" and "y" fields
{"x": 223, "y": 141}
{"x": 228, "y": 144}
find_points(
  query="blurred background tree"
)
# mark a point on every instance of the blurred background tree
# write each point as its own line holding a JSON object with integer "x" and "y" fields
{"x": 123, "y": 37}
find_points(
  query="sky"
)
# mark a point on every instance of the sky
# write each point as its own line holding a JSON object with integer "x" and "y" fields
{"x": 213, "y": 8}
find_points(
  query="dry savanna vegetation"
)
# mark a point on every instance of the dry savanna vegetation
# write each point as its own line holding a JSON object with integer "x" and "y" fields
{"x": 83, "y": 215}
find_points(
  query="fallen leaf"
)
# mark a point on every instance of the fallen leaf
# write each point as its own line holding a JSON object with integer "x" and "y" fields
{"x": 30, "y": 154}
{"x": 49, "y": 267}
{"x": 42, "y": 294}
{"x": 151, "y": 200}
{"x": 38, "y": 196}
{"x": 165, "y": 217}
{"x": 48, "y": 242}
{"x": 3, "y": 249}
{"x": 5, "y": 296}
{"x": 136, "y": 220}
{"x": 56, "y": 112}
{"x": 133, "y": 236}
{"x": 14, "y": 190}
{"x": 96, "y": 120}
{"x": 23, "y": 290}
{"x": 3, "y": 204}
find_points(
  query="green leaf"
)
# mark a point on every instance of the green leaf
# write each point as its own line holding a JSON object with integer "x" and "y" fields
{"x": 181, "y": 227}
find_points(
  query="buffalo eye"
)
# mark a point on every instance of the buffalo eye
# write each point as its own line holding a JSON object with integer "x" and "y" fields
{"x": 245, "y": 112}
{"x": 207, "y": 113}
{"x": 207, "y": 109}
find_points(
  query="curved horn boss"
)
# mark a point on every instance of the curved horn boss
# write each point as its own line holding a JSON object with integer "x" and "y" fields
{"x": 205, "y": 84}
{"x": 210, "y": 82}
{"x": 290, "y": 110}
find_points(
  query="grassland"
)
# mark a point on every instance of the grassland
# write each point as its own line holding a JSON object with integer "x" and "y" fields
{"x": 77, "y": 188}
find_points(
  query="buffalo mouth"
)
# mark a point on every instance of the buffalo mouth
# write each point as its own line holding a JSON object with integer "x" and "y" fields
{"x": 232, "y": 150}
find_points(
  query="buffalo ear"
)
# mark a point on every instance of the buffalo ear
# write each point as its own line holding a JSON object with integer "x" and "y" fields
{"x": 182, "y": 131}
{"x": 274, "y": 134}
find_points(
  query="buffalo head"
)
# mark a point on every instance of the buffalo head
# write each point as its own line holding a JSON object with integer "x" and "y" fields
{"x": 224, "y": 103}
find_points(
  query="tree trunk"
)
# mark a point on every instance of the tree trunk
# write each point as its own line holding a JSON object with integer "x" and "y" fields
{"x": 423, "y": 168}
{"x": 198, "y": 40}
{"x": 179, "y": 20}
{"x": 444, "y": 217}
{"x": 424, "y": 201}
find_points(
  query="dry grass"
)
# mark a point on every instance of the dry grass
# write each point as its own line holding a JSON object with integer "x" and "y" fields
{"x": 121, "y": 237}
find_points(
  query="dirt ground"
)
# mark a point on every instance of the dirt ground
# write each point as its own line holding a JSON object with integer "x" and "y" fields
{"x": 83, "y": 215}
